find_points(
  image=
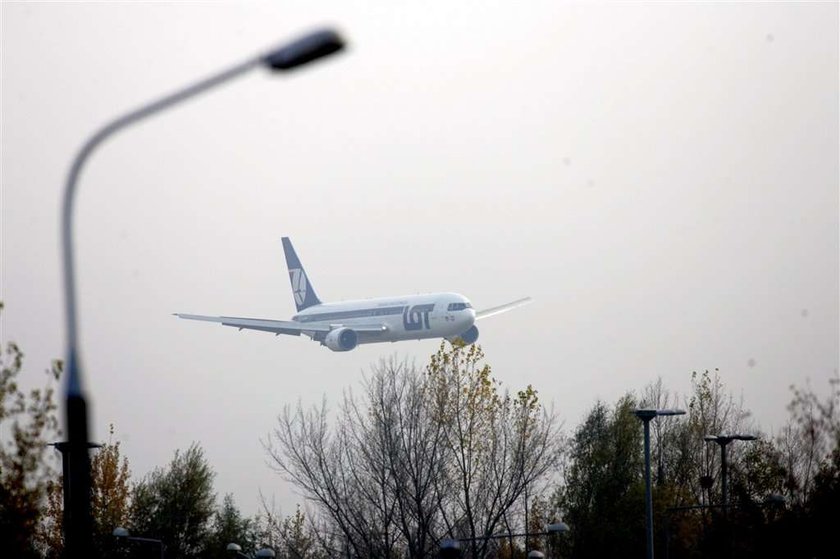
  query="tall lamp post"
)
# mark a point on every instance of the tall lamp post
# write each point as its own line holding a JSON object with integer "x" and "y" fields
{"x": 78, "y": 526}
{"x": 723, "y": 441}
{"x": 645, "y": 415}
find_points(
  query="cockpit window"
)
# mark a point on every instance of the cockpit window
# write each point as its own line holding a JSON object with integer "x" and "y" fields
{"x": 458, "y": 306}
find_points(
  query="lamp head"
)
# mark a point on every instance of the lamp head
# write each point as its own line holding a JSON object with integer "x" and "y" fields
{"x": 724, "y": 439}
{"x": 649, "y": 413}
{"x": 557, "y": 528}
{"x": 450, "y": 549}
{"x": 304, "y": 50}
{"x": 120, "y": 532}
{"x": 775, "y": 499}
{"x": 449, "y": 543}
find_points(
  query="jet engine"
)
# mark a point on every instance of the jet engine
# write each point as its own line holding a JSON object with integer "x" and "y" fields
{"x": 341, "y": 339}
{"x": 466, "y": 338}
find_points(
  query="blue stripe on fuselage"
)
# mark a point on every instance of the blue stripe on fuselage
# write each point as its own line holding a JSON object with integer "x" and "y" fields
{"x": 343, "y": 315}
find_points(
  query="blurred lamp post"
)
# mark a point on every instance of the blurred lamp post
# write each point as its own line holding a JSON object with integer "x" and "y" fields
{"x": 78, "y": 526}
{"x": 122, "y": 533}
{"x": 646, "y": 415}
{"x": 723, "y": 441}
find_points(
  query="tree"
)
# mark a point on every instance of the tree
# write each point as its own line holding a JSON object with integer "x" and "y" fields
{"x": 711, "y": 411}
{"x": 422, "y": 455}
{"x": 294, "y": 537}
{"x": 30, "y": 421}
{"x": 110, "y": 494}
{"x": 496, "y": 444}
{"x": 175, "y": 504}
{"x": 110, "y": 500}
{"x": 807, "y": 442}
{"x": 810, "y": 456}
{"x": 602, "y": 497}
{"x": 229, "y": 526}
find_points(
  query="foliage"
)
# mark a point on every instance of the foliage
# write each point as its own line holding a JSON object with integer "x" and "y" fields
{"x": 711, "y": 411}
{"x": 294, "y": 537}
{"x": 603, "y": 490}
{"x": 110, "y": 497}
{"x": 30, "y": 421}
{"x": 175, "y": 504}
{"x": 422, "y": 455}
{"x": 500, "y": 443}
{"x": 110, "y": 494}
{"x": 229, "y": 526}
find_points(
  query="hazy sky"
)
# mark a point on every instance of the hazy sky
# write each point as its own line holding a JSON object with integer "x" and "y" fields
{"x": 661, "y": 178}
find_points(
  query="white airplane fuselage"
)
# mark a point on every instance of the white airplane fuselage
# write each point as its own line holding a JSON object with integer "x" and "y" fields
{"x": 409, "y": 317}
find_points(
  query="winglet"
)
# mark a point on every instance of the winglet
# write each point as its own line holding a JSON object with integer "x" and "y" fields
{"x": 301, "y": 288}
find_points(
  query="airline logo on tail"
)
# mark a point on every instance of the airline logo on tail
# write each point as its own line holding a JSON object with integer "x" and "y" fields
{"x": 303, "y": 291}
{"x": 298, "y": 278}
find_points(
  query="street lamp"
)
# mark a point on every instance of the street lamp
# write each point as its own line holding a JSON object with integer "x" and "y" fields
{"x": 122, "y": 533}
{"x": 78, "y": 525}
{"x": 450, "y": 548}
{"x": 556, "y": 528}
{"x": 723, "y": 441}
{"x": 772, "y": 501}
{"x": 264, "y": 553}
{"x": 646, "y": 415}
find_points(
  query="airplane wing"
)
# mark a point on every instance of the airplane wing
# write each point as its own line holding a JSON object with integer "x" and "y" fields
{"x": 288, "y": 327}
{"x": 276, "y": 326}
{"x": 502, "y": 308}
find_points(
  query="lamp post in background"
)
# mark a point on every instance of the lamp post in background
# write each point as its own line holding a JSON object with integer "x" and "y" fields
{"x": 451, "y": 548}
{"x": 264, "y": 553}
{"x": 645, "y": 415}
{"x": 723, "y": 441}
{"x": 771, "y": 502}
{"x": 78, "y": 533}
{"x": 122, "y": 533}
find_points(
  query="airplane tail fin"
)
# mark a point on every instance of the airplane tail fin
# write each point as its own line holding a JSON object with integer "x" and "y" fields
{"x": 301, "y": 288}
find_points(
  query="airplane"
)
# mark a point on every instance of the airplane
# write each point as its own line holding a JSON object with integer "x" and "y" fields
{"x": 344, "y": 325}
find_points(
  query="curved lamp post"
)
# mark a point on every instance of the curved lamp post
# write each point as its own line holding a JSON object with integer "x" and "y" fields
{"x": 645, "y": 415}
{"x": 78, "y": 527}
{"x": 122, "y": 533}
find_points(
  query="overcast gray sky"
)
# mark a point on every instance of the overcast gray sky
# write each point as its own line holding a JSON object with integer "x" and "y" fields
{"x": 662, "y": 178}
